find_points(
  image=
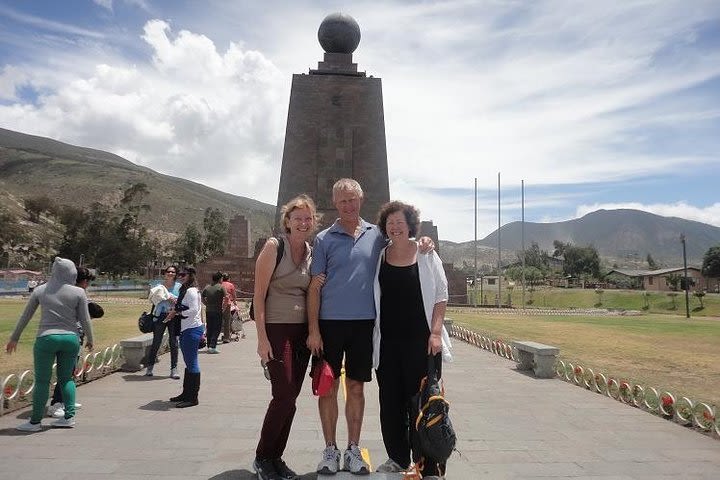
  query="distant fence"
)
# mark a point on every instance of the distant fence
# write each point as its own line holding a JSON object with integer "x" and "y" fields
{"x": 19, "y": 287}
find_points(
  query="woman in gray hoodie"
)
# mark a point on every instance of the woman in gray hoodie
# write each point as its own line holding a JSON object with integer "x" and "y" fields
{"x": 62, "y": 305}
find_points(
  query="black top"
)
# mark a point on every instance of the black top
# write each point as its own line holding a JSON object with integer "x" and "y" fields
{"x": 402, "y": 314}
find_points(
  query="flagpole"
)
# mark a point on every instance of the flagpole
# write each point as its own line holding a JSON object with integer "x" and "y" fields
{"x": 499, "y": 299}
{"x": 522, "y": 224}
{"x": 474, "y": 282}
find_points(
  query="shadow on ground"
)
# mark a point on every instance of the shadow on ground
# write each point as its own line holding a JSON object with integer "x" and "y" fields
{"x": 157, "y": 406}
{"x": 248, "y": 475}
{"x": 11, "y": 432}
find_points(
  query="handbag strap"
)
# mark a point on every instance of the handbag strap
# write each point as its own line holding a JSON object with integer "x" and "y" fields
{"x": 432, "y": 367}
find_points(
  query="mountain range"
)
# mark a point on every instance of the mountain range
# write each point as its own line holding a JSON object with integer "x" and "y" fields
{"x": 77, "y": 176}
{"x": 622, "y": 237}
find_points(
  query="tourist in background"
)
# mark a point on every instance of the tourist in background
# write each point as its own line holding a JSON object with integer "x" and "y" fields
{"x": 56, "y": 408}
{"x": 163, "y": 298}
{"x": 188, "y": 309}
{"x": 62, "y": 306}
{"x": 411, "y": 294}
{"x": 281, "y": 319}
{"x": 213, "y": 297}
{"x": 229, "y": 308}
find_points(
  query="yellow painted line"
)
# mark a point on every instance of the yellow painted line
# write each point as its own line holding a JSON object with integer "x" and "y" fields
{"x": 342, "y": 382}
{"x": 365, "y": 453}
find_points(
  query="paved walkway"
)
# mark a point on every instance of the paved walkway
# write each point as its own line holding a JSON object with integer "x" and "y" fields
{"x": 510, "y": 426}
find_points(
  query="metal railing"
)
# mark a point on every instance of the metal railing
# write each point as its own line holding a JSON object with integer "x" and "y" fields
{"x": 16, "y": 389}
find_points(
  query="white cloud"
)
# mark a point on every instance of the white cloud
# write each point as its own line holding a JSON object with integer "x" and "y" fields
{"x": 213, "y": 117}
{"x": 11, "y": 78}
{"x": 47, "y": 25}
{"x": 108, "y": 4}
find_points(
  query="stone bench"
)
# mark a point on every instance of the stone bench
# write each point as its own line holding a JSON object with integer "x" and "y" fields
{"x": 135, "y": 351}
{"x": 537, "y": 357}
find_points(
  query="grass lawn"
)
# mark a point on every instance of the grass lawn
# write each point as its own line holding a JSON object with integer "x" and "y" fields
{"x": 667, "y": 352}
{"x": 118, "y": 323}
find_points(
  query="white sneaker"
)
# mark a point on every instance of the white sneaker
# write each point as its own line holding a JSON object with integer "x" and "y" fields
{"x": 29, "y": 427}
{"x": 174, "y": 373}
{"x": 390, "y": 466}
{"x": 78, "y": 406}
{"x": 56, "y": 410}
{"x": 354, "y": 462}
{"x": 64, "y": 423}
{"x": 330, "y": 463}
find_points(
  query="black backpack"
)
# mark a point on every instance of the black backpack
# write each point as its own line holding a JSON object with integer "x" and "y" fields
{"x": 434, "y": 431}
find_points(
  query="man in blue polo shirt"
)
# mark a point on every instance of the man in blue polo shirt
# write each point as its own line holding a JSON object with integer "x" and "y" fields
{"x": 341, "y": 318}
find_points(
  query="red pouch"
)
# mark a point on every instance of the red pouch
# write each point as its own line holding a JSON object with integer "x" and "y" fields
{"x": 322, "y": 377}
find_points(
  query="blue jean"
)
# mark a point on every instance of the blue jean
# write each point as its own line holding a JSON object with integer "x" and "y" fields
{"x": 189, "y": 343}
{"x": 66, "y": 347}
{"x": 158, "y": 333}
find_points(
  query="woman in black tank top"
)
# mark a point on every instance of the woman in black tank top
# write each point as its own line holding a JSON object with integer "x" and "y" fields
{"x": 407, "y": 336}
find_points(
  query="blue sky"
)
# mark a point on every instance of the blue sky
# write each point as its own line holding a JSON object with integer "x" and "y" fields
{"x": 593, "y": 104}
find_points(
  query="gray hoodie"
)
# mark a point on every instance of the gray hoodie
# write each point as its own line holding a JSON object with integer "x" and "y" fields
{"x": 62, "y": 304}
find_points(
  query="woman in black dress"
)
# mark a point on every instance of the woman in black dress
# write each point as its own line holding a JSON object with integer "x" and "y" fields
{"x": 410, "y": 298}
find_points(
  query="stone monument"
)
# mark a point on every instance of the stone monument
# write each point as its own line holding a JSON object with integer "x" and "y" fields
{"x": 335, "y": 127}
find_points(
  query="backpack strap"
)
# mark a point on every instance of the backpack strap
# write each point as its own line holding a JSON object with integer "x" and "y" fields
{"x": 280, "y": 250}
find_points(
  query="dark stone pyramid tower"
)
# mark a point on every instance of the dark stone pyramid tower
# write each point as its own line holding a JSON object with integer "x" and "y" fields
{"x": 335, "y": 127}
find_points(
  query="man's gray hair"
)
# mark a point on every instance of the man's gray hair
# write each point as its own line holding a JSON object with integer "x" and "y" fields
{"x": 347, "y": 185}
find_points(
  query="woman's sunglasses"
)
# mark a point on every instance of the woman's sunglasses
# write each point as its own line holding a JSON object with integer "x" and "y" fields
{"x": 182, "y": 274}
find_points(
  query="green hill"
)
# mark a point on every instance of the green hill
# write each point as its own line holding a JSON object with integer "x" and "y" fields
{"x": 78, "y": 176}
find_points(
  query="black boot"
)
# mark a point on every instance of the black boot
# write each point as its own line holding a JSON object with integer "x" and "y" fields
{"x": 185, "y": 390}
{"x": 191, "y": 399}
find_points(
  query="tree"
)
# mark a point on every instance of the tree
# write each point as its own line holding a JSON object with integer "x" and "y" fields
{"x": 215, "y": 228}
{"x": 534, "y": 257}
{"x": 559, "y": 248}
{"x": 711, "y": 262}
{"x": 108, "y": 241}
{"x": 35, "y": 206}
{"x": 533, "y": 275}
{"x": 673, "y": 280}
{"x": 652, "y": 265}
{"x": 700, "y": 294}
{"x": 582, "y": 262}
{"x": 132, "y": 200}
{"x": 11, "y": 234}
{"x": 189, "y": 245}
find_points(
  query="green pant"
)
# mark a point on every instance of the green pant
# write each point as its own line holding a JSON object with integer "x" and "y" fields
{"x": 65, "y": 347}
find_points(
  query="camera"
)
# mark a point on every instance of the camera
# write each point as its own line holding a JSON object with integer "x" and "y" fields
{"x": 179, "y": 308}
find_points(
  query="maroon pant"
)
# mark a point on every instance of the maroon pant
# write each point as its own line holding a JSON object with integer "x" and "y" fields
{"x": 287, "y": 372}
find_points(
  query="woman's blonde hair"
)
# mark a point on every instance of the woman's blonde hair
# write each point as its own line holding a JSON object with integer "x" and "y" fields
{"x": 299, "y": 202}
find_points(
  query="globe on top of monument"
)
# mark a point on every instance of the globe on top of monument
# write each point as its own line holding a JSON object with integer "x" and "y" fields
{"x": 339, "y": 33}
